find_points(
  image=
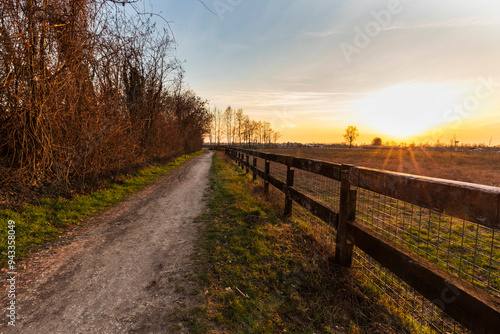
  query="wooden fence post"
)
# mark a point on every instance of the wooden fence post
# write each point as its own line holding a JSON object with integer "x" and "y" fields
{"x": 289, "y": 183}
{"x": 266, "y": 180}
{"x": 254, "y": 168}
{"x": 347, "y": 214}
{"x": 248, "y": 163}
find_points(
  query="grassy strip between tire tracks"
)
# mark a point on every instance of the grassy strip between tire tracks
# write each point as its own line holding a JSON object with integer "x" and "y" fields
{"x": 263, "y": 273}
{"x": 46, "y": 221}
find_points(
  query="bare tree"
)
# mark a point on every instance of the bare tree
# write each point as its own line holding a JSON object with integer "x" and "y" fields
{"x": 217, "y": 125}
{"x": 228, "y": 121}
{"x": 258, "y": 132}
{"x": 351, "y": 134}
{"x": 246, "y": 125}
{"x": 239, "y": 122}
{"x": 85, "y": 88}
{"x": 276, "y": 136}
{"x": 266, "y": 129}
{"x": 235, "y": 125}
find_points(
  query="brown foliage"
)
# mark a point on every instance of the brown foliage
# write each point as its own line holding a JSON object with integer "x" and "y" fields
{"x": 83, "y": 92}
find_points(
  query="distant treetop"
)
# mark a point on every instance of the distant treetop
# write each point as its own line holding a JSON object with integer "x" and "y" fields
{"x": 377, "y": 141}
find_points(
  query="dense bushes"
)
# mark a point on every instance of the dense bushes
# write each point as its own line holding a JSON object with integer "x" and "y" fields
{"x": 86, "y": 88}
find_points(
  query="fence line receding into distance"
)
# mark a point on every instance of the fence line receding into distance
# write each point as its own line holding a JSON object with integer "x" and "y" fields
{"x": 440, "y": 238}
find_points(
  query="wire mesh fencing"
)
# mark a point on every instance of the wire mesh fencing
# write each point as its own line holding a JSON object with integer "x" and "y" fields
{"x": 318, "y": 186}
{"x": 278, "y": 171}
{"x": 398, "y": 296}
{"x": 470, "y": 251}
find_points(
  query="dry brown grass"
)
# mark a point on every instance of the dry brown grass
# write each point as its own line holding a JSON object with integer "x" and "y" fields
{"x": 482, "y": 168}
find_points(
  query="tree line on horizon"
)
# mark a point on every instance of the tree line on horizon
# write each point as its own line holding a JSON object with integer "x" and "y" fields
{"x": 351, "y": 134}
{"x": 86, "y": 88}
{"x": 233, "y": 127}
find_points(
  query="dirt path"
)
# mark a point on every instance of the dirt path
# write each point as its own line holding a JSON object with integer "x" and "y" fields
{"x": 122, "y": 274}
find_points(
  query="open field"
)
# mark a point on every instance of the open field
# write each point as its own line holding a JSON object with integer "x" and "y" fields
{"x": 482, "y": 168}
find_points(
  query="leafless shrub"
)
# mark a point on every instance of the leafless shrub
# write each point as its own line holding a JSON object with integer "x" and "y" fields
{"x": 86, "y": 88}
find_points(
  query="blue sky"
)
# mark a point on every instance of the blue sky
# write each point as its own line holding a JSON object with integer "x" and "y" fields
{"x": 314, "y": 67}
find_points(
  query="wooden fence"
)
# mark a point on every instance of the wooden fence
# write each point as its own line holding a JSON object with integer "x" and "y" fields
{"x": 471, "y": 306}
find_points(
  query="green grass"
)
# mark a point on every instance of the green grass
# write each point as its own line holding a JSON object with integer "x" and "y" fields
{"x": 466, "y": 249}
{"x": 263, "y": 273}
{"x": 452, "y": 244}
{"x": 44, "y": 222}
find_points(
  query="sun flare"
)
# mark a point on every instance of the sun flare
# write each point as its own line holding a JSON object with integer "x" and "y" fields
{"x": 407, "y": 110}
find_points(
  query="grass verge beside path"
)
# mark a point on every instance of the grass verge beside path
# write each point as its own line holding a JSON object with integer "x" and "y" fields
{"x": 262, "y": 273}
{"x": 39, "y": 224}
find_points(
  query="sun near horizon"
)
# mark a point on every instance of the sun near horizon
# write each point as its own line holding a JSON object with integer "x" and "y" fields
{"x": 406, "y": 110}
{"x": 406, "y": 113}
{"x": 426, "y": 71}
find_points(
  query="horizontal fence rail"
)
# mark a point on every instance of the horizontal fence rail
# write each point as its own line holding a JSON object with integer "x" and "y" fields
{"x": 406, "y": 223}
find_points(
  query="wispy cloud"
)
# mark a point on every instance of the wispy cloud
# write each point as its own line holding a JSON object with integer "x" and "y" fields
{"x": 282, "y": 98}
{"x": 322, "y": 34}
{"x": 450, "y": 24}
